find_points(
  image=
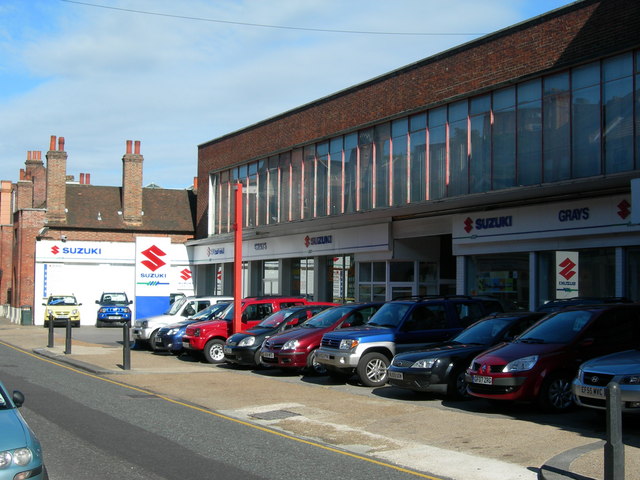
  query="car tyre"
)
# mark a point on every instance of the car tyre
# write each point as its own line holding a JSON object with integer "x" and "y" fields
{"x": 555, "y": 393}
{"x": 256, "y": 359}
{"x": 457, "y": 386}
{"x": 99, "y": 324}
{"x": 214, "y": 351}
{"x": 372, "y": 369}
{"x": 313, "y": 366}
{"x": 152, "y": 341}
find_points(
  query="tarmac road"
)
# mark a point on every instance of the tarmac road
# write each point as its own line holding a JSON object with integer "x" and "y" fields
{"x": 471, "y": 440}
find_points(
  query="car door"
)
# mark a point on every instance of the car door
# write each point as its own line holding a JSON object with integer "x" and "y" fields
{"x": 424, "y": 324}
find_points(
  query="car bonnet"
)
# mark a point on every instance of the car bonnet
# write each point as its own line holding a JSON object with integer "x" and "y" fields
{"x": 14, "y": 431}
{"x": 506, "y": 352}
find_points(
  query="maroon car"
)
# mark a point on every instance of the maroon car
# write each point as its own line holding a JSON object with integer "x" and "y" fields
{"x": 296, "y": 348}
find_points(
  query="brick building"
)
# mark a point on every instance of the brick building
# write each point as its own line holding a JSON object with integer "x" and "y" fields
{"x": 479, "y": 170}
{"x": 68, "y": 236}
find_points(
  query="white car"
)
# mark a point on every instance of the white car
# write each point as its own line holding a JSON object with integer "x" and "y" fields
{"x": 590, "y": 386}
{"x": 145, "y": 330}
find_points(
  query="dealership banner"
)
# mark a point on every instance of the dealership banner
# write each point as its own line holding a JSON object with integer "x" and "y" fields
{"x": 153, "y": 272}
{"x": 567, "y": 283}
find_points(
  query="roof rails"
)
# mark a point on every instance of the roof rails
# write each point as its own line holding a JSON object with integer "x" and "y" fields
{"x": 432, "y": 297}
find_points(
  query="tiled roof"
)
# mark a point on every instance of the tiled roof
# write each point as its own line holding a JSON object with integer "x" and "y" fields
{"x": 95, "y": 207}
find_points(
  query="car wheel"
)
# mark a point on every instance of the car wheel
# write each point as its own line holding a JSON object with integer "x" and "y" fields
{"x": 256, "y": 359}
{"x": 456, "y": 386}
{"x": 213, "y": 351}
{"x": 372, "y": 369}
{"x": 313, "y": 366}
{"x": 76, "y": 324}
{"x": 152, "y": 341}
{"x": 99, "y": 324}
{"x": 555, "y": 394}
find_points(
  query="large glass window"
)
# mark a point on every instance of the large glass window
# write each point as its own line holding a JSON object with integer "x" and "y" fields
{"x": 437, "y": 153}
{"x": 372, "y": 282}
{"x": 633, "y": 274}
{"x": 529, "y": 134}
{"x": 555, "y": 128}
{"x": 585, "y": 121}
{"x": 350, "y": 172}
{"x": 335, "y": 176}
{"x": 618, "y": 113}
{"x": 480, "y": 136}
{"x": 458, "y": 177}
{"x": 284, "y": 167}
{"x": 321, "y": 179}
{"x": 298, "y": 194}
{"x": 382, "y": 147}
{"x": 365, "y": 169}
{"x": 262, "y": 203}
{"x": 308, "y": 175}
{"x": 399, "y": 176}
{"x": 251, "y": 195}
{"x": 418, "y": 157}
{"x": 504, "y": 138}
{"x": 505, "y": 276}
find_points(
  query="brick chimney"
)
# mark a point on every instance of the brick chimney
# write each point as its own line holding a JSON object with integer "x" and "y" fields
{"x": 56, "y": 181}
{"x": 24, "y": 191}
{"x": 132, "y": 185}
{"x": 38, "y": 175}
{"x": 6, "y": 209}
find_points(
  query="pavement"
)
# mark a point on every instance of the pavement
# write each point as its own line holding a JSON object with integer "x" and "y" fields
{"x": 472, "y": 440}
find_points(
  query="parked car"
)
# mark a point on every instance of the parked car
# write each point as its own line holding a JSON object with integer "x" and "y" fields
{"x": 399, "y": 325}
{"x": 114, "y": 309}
{"x": 442, "y": 367}
{"x": 60, "y": 308}
{"x": 20, "y": 450}
{"x": 145, "y": 330}
{"x": 296, "y": 349}
{"x": 560, "y": 303}
{"x": 169, "y": 338}
{"x": 208, "y": 338}
{"x": 244, "y": 348}
{"x": 541, "y": 364}
{"x": 594, "y": 376}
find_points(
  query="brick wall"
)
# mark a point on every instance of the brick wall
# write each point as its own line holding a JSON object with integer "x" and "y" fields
{"x": 575, "y": 34}
{"x": 56, "y": 182}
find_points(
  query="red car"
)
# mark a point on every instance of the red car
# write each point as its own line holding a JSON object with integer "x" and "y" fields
{"x": 296, "y": 348}
{"x": 541, "y": 363}
{"x": 209, "y": 337}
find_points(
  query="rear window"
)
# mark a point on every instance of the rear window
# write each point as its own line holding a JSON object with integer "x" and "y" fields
{"x": 563, "y": 327}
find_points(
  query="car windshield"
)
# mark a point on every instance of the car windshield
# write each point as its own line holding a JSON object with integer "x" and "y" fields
{"x": 62, "y": 300}
{"x": 390, "y": 315}
{"x": 112, "y": 298}
{"x": 326, "y": 318}
{"x": 275, "y": 319}
{"x": 484, "y": 332}
{"x": 175, "y": 306}
{"x": 211, "y": 311}
{"x": 4, "y": 401}
{"x": 562, "y": 327}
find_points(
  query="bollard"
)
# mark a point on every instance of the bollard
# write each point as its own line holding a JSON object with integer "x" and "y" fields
{"x": 67, "y": 342}
{"x": 126, "y": 347}
{"x": 614, "y": 448}
{"x": 50, "y": 344}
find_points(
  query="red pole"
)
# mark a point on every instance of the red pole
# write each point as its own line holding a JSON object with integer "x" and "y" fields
{"x": 237, "y": 261}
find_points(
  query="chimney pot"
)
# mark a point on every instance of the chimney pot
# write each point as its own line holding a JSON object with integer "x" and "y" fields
{"x": 87, "y": 178}
{"x": 52, "y": 143}
{"x": 137, "y": 147}
{"x": 128, "y": 147}
{"x": 61, "y": 144}
{"x": 82, "y": 179}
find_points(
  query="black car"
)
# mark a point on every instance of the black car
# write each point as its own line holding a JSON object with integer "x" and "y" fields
{"x": 560, "y": 303}
{"x": 244, "y": 348}
{"x": 442, "y": 367}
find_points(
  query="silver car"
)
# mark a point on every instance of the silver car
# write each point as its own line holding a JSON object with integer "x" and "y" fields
{"x": 590, "y": 385}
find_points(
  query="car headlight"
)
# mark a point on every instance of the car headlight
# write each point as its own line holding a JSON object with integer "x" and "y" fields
{"x": 424, "y": 363}
{"x": 173, "y": 331}
{"x": 196, "y": 333}
{"x": 49, "y": 312}
{"x": 247, "y": 341}
{"x": 20, "y": 456}
{"x": 144, "y": 324}
{"x": 290, "y": 345}
{"x": 74, "y": 312}
{"x": 631, "y": 380}
{"x": 348, "y": 344}
{"x": 521, "y": 364}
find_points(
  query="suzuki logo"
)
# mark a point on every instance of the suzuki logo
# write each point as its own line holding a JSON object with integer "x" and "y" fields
{"x": 307, "y": 241}
{"x": 55, "y": 250}
{"x": 154, "y": 262}
{"x": 624, "y": 211}
{"x": 567, "y": 269}
{"x": 468, "y": 225}
{"x": 185, "y": 274}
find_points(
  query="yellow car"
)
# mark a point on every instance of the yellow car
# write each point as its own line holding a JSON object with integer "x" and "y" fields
{"x": 61, "y": 308}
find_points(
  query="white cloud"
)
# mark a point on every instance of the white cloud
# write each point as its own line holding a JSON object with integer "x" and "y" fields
{"x": 101, "y": 76}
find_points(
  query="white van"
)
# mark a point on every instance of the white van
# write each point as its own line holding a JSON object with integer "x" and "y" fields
{"x": 145, "y": 329}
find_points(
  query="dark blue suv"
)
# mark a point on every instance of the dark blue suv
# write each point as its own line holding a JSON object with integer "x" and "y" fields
{"x": 114, "y": 309}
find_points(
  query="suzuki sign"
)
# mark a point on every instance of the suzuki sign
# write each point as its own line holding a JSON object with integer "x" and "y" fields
{"x": 567, "y": 284}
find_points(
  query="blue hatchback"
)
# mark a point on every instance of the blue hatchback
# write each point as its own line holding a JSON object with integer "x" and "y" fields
{"x": 20, "y": 450}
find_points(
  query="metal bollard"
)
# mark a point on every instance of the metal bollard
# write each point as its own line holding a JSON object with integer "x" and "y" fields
{"x": 67, "y": 342}
{"x": 126, "y": 347}
{"x": 614, "y": 448}
{"x": 50, "y": 344}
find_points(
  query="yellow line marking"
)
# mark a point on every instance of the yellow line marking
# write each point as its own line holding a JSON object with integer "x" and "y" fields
{"x": 224, "y": 417}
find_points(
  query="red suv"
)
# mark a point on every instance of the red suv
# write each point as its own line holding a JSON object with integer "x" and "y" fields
{"x": 541, "y": 363}
{"x": 296, "y": 348}
{"x": 209, "y": 337}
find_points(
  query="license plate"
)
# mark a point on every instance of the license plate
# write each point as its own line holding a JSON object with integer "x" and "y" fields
{"x": 267, "y": 355}
{"x": 323, "y": 356}
{"x": 113, "y": 317}
{"x": 482, "y": 380}
{"x": 226, "y": 350}
{"x": 592, "y": 391}
{"x": 185, "y": 344}
{"x": 395, "y": 375}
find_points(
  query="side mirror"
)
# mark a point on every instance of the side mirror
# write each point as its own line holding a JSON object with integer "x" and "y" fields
{"x": 130, "y": 302}
{"x": 18, "y": 398}
{"x": 98, "y": 301}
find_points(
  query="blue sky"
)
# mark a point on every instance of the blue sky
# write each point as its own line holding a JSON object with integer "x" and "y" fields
{"x": 174, "y": 75}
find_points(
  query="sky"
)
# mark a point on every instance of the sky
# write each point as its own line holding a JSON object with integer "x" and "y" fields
{"x": 176, "y": 74}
